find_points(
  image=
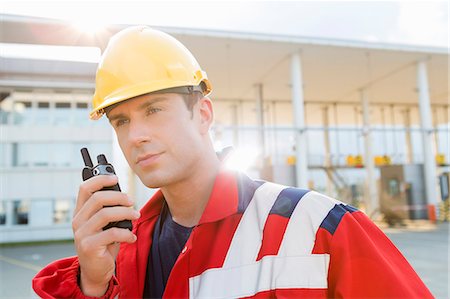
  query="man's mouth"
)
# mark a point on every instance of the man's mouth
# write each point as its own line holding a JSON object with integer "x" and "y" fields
{"x": 147, "y": 159}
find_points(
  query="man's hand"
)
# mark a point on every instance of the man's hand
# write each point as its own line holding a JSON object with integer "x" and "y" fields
{"x": 97, "y": 249}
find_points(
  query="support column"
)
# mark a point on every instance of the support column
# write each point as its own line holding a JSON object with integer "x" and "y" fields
{"x": 409, "y": 148}
{"x": 235, "y": 123}
{"x": 260, "y": 119}
{"x": 427, "y": 138}
{"x": 301, "y": 146}
{"x": 436, "y": 132}
{"x": 326, "y": 137}
{"x": 371, "y": 198}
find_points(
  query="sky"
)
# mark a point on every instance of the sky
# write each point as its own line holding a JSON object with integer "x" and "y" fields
{"x": 423, "y": 23}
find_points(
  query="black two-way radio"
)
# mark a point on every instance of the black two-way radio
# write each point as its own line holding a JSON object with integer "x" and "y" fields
{"x": 103, "y": 168}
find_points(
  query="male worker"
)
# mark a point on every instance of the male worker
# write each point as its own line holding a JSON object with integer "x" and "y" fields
{"x": 208, "y": 232}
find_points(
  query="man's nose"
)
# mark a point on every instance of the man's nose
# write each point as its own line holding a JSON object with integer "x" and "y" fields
{"x": 138, "y": 133}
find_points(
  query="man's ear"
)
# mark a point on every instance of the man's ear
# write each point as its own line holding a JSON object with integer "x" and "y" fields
{"x": 206, "y": 114}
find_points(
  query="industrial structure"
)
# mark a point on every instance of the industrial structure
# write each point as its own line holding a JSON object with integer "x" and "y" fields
{"x": 331, "y": 115}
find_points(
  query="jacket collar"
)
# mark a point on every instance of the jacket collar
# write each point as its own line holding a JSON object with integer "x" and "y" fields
{"x": 222, "y": 202}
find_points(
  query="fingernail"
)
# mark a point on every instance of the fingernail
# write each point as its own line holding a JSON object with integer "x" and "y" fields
{"x": 136, "y": 214}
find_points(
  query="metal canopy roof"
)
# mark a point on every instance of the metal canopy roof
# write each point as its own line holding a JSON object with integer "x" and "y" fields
{"x": 333, "y": 70}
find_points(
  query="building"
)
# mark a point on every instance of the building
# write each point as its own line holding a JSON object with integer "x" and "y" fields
{"x": 275, "y": 96}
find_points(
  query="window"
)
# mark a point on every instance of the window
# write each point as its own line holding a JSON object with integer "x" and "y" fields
{"x": 15, "y": 154}
{"x": 61, "y": 211}
{"x": 23, "y": 113}
{"x": 81, "y": 115}
{"x": 63, "y": 113}
{"x": 6, "y": 109}
{"x": 20, "y": 212}
{"x": 4, "y": 161}
{"x": 393, "y": 187}
{"x": 82, "y": 106}
{"x": 62, "y": 154}
{"x": 31, "y": 154}
{"x": 43, "y": 114}
{"x": 2, "y": 213}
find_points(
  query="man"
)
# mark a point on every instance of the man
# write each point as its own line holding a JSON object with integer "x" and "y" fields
{"x": 208, "y": 232}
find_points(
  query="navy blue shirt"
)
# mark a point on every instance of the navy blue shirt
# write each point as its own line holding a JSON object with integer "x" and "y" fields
{"x": 169, "y": 239}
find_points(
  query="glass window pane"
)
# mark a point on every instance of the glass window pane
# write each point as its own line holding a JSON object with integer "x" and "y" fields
{"x": 62, "y": 211}
{"x": 62, "y": 113}
{"x": 4, "y": 156}
{"x": 62, "y": 155}
{"x": 23, "y": 113}
{"x": 6, "y": 110}
{"x": 43, "y": 113}
{"x": 2, "y": 213}
{"x": 82, "y": 106}
{"x": 32, "y": 154}
{"x": 44, "y": 105}
{"x": 22, "y": 154}
{"x": 81, "y": 115}
{"x": 20, "y": 212}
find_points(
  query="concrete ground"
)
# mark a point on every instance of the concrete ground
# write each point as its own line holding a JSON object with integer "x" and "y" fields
{"x": 426, "y": 248}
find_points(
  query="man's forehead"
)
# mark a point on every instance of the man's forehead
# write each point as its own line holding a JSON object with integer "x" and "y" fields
{"x": 144, "y": 100}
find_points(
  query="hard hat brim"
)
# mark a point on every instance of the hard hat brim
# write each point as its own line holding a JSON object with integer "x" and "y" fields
{"x": 141, "y": 89}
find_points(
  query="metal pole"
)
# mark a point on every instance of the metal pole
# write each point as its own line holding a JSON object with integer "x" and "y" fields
{"x": 275, "y": 131}
{"x": 383, "y": 122}
{"x": 372, "y": 198}
{"x": 260, "y": 119}
{"x": 409, "y": 148}
{"x": 326, "y": 136}
{"x": 336, "y": 133}
{"x": 427, "y": 138}
{"x": 446, "y": 130}
{"x": 394, "y": 139}
{"x": 235, "y": 122}
{"x": 435, "y": 129}
{"x": 301, "y": 146}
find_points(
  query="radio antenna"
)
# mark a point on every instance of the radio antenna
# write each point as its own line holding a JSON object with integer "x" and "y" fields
{"x": 86, "y": 157}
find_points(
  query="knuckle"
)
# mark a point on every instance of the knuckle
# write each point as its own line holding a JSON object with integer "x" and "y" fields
{"x": 125, "y": 197}
{"x": 103, "y": 215}
{"x": 115, "y": 233}
{"x": 95, "y": 199}
{"x": 83, "y": 189}
{"x": 77, "y": 238}
{"x": 74, "y": 224}
{"x": 83, "y": 245}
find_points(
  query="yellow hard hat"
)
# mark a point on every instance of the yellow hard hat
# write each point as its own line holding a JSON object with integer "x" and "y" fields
{"x": 140, "y": 60}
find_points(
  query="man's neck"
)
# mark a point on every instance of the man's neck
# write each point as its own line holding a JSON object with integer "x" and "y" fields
{"x": 187, "y": 199}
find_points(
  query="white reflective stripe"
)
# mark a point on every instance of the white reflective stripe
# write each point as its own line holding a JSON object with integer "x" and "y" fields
{"x": 269, "y": 273}
{"x": 301, "y": 230}
{"x": 247, "y": 238}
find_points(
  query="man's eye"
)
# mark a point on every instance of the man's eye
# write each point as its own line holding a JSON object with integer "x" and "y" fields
{"x": 120, "y": 122}
{"x": 152, "y": 110}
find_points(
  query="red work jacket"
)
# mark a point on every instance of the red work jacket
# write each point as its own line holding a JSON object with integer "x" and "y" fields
{"x": 259, "y": 240}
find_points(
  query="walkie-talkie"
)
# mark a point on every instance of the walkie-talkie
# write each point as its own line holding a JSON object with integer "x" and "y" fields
{"x": 103, "y": 168}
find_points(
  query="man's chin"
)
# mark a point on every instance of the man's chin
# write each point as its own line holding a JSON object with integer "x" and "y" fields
{"x": 152, "y": 181}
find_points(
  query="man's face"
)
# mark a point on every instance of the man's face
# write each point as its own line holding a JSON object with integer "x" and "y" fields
{"x": 159, "y": 136}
